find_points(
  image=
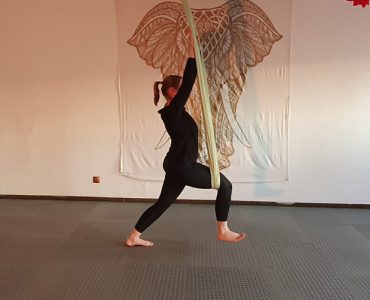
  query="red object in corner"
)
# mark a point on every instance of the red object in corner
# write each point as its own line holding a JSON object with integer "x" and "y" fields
{"x": 360, "y": 2}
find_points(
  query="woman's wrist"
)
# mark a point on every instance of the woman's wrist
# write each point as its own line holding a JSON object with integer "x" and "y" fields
{"x": 192, "y": 51}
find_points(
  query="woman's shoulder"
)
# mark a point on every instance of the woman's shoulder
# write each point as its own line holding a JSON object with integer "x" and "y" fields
{"x": 162, "y": 110}
{"x": 171, "y": 108}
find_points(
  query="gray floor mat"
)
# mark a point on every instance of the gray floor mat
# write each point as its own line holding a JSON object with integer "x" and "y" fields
{"x": 74, "y": 250}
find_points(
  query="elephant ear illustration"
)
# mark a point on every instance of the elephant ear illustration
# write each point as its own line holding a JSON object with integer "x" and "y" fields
{"x": 234, "y": 37}
{"x": 162, "y": 38}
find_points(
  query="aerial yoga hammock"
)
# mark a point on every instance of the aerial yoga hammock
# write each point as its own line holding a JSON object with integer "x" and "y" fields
{"x": 205, "y": 101}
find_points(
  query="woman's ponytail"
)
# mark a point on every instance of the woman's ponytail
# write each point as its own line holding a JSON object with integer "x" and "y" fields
{"x": 156, "y": 91}
{"x": 168, "y": 82}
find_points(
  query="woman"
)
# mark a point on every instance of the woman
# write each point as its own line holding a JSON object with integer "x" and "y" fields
{"x": 180, "y": 162}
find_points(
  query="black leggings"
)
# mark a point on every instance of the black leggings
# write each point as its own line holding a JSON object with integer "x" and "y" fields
{"x": 196, "y": 175}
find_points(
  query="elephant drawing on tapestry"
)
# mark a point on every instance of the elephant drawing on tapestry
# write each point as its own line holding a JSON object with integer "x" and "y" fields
{"x": 233, "y": 37}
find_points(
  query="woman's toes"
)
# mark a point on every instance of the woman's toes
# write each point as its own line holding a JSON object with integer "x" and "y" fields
{"x": 148, "y": 244}
{"x": 240, "y": 237}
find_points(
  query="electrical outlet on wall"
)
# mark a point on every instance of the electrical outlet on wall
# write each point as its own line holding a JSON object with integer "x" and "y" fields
{"x": 96, "y": 179}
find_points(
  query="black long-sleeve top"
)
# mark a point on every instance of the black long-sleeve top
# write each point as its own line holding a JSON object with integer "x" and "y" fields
{"x": 180, "y": 126}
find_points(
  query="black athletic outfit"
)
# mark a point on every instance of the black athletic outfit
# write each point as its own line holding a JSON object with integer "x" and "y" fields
{"x": 180, "y": 162}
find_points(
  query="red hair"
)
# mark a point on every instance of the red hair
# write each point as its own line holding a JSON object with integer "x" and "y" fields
{"x": 168, "y": 82}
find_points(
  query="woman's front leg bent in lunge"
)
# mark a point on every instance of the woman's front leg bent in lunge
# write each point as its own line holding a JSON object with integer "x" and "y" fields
{"x": 199, "y": 176}
{"x": 223, "y": 201}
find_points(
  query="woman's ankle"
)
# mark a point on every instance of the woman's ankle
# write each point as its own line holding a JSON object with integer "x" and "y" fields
{"x": 222, "y": 226}
{"x": 134, "y": 234}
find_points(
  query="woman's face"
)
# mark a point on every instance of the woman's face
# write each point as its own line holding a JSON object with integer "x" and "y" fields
{"x": 172, "y": 91}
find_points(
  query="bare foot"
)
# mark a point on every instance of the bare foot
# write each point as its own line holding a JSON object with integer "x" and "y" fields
{"x": 137, "y": 241}
{"x": 230, "y": 236}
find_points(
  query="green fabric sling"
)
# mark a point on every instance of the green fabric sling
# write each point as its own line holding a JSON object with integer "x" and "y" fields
{"x": 206, "y": 108}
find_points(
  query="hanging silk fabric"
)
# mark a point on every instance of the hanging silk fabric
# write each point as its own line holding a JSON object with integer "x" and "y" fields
{"x": 206, "y": 109}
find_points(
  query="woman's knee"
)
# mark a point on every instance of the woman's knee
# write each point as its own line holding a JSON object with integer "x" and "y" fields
{"x": 225, "y": 183}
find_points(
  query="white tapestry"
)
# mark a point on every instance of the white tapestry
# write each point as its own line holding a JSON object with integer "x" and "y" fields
{"x": 246, "y": 46}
